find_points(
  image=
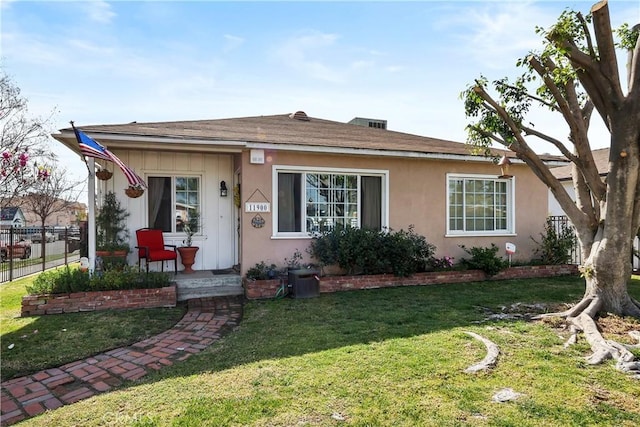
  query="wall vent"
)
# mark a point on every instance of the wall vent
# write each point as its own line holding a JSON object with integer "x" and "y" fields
{"x": 370, "y": 123}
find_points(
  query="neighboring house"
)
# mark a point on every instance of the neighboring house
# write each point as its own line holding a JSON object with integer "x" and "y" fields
{"x": 65, "y": 214}
{"x": 297, "y": 175}
{"x": 563, "y": 173}
{"x": 11, "y": 216}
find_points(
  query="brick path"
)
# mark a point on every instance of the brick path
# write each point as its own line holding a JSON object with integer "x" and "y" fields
{"x": 202, "y": 325}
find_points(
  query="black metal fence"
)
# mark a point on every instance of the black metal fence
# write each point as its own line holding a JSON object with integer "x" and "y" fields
{"x": 26, "y": 250}
{"x": 562, "y": 222}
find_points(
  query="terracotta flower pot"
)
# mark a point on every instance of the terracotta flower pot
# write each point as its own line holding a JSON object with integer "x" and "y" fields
{"x": 188, "y": 257}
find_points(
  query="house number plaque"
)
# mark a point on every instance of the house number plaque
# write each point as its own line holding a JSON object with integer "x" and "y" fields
{"x": 257, "y": 207}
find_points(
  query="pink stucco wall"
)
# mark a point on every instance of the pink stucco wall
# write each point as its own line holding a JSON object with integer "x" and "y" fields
{"x": 417, "y": 195}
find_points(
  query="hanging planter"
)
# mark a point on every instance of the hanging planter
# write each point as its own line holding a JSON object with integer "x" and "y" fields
{"x": 134, "y": 192}
{"x": 104, "y": 174}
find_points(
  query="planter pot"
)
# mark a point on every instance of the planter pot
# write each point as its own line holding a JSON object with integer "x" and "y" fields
{"x": 118, "y": 254}
{"x": 134, "y": 192}
{"x": 108, "y": 260}
{"x": 188, "y": 257}
{"x": 104, "y": 174}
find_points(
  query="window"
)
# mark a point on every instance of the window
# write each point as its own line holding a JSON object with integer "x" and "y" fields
{"x": 314, "y": 201}
{"x": 479, "y": 205}
{"x": 171, "y": 200}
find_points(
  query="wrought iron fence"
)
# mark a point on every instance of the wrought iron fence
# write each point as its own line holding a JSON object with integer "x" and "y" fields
{"x": 26, "y": 250}
{"x": 560, "y": 222}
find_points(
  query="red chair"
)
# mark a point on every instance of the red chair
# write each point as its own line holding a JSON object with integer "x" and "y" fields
{"x": 151, "y": 247}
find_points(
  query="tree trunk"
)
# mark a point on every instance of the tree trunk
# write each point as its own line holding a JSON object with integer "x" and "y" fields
{"x": 607, "y": 280}
{"x": 607, "y": 265}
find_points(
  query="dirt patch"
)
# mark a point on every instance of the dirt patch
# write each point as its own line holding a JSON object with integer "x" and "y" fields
{"x": 611, "y": 326}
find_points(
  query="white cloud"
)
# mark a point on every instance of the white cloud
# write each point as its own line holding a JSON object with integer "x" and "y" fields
{"x": 394, "y": 68}
{"x": 496, "y": 34}
{"x": 232, "y": 42}
{"x": 99, "y": 11}
{"x": 6, "y": 4}
{"x": 304, "y": 53}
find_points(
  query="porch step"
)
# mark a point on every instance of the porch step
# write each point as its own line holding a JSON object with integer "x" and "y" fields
{"x": 208, "y": 285}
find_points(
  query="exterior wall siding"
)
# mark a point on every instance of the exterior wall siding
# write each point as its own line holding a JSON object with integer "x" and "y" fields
{"x": 417, "y": 196}
{"x": 216, "y": 241}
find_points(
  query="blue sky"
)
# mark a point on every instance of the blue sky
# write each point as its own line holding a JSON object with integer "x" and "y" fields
{"x": 98, "y": 62}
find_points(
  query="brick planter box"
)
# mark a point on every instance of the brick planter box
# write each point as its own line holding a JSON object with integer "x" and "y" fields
{"x": 36, "y": 305}
{"x": 260, "y": 289}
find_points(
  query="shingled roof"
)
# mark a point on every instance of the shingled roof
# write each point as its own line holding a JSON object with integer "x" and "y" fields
{"x": 600, "y": 156}
{"x": 295, "y": 131}
{"x": 283, "y": 129}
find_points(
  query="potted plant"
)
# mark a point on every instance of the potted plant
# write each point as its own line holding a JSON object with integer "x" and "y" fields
{"x": 188, "y": 251}
{"x": 112, "y": 233}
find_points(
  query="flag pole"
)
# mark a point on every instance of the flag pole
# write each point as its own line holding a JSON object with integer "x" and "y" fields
{"x": 91, "y": 219}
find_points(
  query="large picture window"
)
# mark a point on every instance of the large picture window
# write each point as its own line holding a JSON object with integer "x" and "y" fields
{"x": 314, "y": 201}
{"x": 479, "y": 205}
{"x": 171, "y": 200}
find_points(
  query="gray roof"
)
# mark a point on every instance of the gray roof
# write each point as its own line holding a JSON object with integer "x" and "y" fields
{"x": 9, "y": 213}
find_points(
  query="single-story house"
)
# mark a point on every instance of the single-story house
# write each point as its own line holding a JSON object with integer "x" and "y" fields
{"x": 11, "y": 217}
{"x": 265, "y": 185}
{"x": 563, "y": 173}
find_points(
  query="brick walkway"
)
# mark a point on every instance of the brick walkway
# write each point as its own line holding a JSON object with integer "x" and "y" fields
{"x": 202, "y": 325}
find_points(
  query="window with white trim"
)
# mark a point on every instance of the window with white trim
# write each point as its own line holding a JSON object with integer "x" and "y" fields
{"x": 479, "y": 205}
{"x": 171, "y": 200}
{"x": 313, "y": 201}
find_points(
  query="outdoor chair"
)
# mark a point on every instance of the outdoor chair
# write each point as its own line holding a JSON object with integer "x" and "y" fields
{"x": 151, "y": 248}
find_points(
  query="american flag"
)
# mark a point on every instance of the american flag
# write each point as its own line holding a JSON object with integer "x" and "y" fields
{"x": 92, "y": 148}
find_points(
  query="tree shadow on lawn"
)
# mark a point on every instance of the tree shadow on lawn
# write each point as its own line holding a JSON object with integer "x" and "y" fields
{"x": 272, "y": 329}
{"x": 54, "y": 340}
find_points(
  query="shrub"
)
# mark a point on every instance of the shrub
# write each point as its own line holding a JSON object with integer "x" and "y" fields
{"x": 485, "y": 259}
{"x": 555, "y": 244}
{"x": 261, "y": 271}
{"x": 293, "y": 263}
{"x": 61, "y": 281}
{"x": 68, "y": 280}
{"x": 444, "y": 263}
{"x": 358, "y": 250}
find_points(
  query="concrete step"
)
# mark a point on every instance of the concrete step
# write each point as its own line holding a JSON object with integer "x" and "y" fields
{"x": 197, "y": 286}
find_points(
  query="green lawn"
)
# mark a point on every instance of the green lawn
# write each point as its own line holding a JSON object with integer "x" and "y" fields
{"x": 390, "y": 357}
{"x": 41, "y": 342}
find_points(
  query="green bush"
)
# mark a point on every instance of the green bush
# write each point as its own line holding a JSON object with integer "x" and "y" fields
{"x": 261, "y": 271}
{"x": 365, "y": 251}
{"x": 485, "y": 259}
{"x": 555, "y": 245}
{"x": 69, "y": 280}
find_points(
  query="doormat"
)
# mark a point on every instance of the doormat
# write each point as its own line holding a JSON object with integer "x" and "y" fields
{"x": 224, "y": 271}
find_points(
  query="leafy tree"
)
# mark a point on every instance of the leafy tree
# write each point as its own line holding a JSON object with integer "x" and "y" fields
{"x": 49, "y": 196}
{"x": 575, "y": 74}
{"x": 22, "y": 144}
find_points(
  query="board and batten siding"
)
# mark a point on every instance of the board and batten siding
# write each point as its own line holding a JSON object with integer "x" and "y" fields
{"x": 217, "y": 239}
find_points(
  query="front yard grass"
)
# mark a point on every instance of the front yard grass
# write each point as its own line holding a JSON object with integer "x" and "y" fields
{"x": 386, "y": 357}
{"x": 41, "y": 342}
